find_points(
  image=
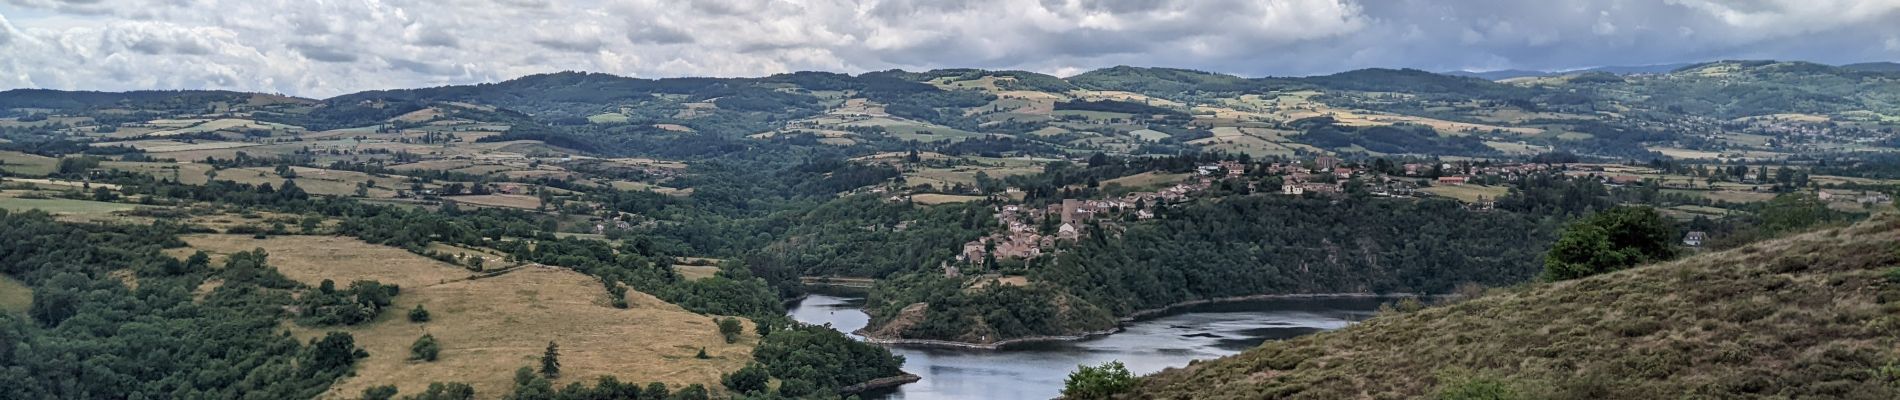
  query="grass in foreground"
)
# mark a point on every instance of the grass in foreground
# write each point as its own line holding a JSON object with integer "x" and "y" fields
{"x": 1811, "y": 316}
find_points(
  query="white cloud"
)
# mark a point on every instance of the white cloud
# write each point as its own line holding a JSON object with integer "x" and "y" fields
{"x": 324, "y": 48}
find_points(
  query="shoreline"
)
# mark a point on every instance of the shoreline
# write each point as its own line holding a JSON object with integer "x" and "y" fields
{"x": 1119, "y": 322}
{"x": 881, "y": 383}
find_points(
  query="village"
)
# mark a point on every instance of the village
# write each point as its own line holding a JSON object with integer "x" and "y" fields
{"x": 1031, "y": 231}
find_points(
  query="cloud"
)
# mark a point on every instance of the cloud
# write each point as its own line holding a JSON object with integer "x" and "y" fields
{"x": 327, "y": 48}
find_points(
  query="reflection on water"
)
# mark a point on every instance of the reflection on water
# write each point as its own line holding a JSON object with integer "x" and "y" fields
{"x": 1036, "y": 371}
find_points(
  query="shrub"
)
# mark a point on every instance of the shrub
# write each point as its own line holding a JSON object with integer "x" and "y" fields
{"x": 418, "y": 314}
{"x": 731, "y": 328}
{"x": 750, "y": 379}
{"x": 1098, "y": 382}
{"x": 1611, "y": 240}
{"x": 425, "y": 348}
{"x": 384, "y": 392}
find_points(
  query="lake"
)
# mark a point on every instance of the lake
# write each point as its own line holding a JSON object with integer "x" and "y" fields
{"x": 1036, "y": 371}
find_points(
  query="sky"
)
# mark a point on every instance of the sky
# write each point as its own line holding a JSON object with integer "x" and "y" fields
{"x": 322, "y": 48}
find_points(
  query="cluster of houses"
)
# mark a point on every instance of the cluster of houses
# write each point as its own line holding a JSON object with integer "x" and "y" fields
{"x": 1023, "y": 237}
{"x": 1869, "y": 198}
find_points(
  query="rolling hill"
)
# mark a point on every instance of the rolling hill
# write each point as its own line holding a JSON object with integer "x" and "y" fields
{"x": 1809, "y": 316}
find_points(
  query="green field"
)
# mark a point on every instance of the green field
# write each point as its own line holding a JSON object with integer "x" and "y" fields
{"x": 63, "y": 206}
{"x": 27, "y": 164}
{"x": 15, "y": 296}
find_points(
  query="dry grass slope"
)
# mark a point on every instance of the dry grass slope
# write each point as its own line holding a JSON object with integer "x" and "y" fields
{"x": 488, "y": 327}
{"x": 1811, "y": 316}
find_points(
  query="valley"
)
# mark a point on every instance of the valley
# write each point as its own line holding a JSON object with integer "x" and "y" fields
{"x": 579, "y": 235}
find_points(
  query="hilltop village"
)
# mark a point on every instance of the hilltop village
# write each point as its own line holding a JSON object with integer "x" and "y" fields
{"x": 1030, "y": 230}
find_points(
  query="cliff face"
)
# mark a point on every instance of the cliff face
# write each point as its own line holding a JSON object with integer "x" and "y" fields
{"x": 1814, "y": 315}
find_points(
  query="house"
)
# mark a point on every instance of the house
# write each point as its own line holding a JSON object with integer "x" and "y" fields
{"x": 1234, "y": 168}
{"x": 1342, "y": 173}
{"x": 1453, "y": 180}
{"x": 1207, "y": 169}
{"x": 1326, "y": 163}
{"x": 1693, "y": 239}
{"x": 1292, "y": 189}
{"x": 1320, "y": 188}
{"x": 1876, "y": 198}
{"x": 1067, "y": 231}
{"x": 1416, "y": 169}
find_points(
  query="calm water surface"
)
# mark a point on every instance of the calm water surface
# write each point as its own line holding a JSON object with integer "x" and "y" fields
{"x": 1036, "y": 371}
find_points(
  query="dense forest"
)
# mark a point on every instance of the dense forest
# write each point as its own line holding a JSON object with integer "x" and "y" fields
{"x": 1237, "y": 246}
{"x": 90, "y": 336}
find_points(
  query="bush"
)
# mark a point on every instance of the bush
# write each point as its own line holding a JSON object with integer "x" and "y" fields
{"x": 731, "y": 328}
{"x": 1611, "y": 240}
{"x": 750, "y": 379}
{"x": 425, "y": 348}
{"x": 1098, "y": 382}
{"x": 384, "y": 392}
{"x": 418, "y": 314}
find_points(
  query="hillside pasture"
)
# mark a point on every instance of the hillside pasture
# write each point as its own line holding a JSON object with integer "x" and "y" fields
{"x": 1469, "y": 193}
{"x": 14, "y": 162}
{"x": 1147, "y": 181}
{"x": 488, "y": 327}
{"x": 938, "y": 198}
{"x": 65, "y": 207}
{"x": 520, "y": 201}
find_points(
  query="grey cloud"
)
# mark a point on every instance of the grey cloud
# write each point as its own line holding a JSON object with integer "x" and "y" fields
{"x": 324, "y": 53}
{"x": 327, "y": 48}
{"x": 658, "y": 34}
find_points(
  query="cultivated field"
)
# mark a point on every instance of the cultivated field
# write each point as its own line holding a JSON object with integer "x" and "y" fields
{"x": 27, "y": 164}
{"x": 1147, "y": 181}
{"x": 84, "y": 208}
{"x": 520, "y": 201}
{"x": 936, "y": 198}
{"x": 696, "y": 272}
{"x": 1469, "y": 193}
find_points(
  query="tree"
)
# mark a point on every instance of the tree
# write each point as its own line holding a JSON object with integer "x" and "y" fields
{"x": 551, "y": 361}
{"x": 425, "y": 348}
{"x": 418, "y": 314}
{"x": 692, "y": 392}
{"x": 1611, "y": 240}
{"x": 446, "y": 391}
{"x": 750, "y": 379}
{"x": 702, "y": 354}
{"x": 384, "y": 392}
{"x": 335, "y": 351}
{"x": 731, "y": 328}
{"x": 1098, "y": 382}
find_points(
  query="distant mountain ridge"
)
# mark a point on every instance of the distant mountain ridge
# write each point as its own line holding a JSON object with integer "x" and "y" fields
{"x": 1495, "y": 75}
{"x": 1524, "y": 73}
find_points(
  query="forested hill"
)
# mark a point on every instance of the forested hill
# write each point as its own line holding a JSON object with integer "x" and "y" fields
{"x": 1810, "y": 316}
{"x": 1131, "y": 110}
